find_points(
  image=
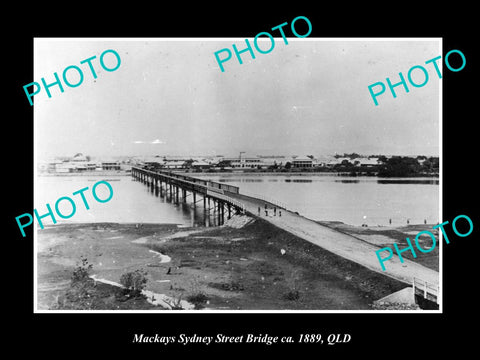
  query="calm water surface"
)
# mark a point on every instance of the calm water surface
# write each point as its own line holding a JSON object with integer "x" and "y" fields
{"x": 132, "y": 202}
{"x": 320, "y": 197}
{"x": 353, "y": 201}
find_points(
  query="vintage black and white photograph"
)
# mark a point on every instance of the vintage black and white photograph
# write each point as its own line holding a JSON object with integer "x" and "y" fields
{"x": 230, "y": 175}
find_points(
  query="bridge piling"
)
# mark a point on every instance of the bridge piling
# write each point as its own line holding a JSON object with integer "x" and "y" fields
{"x": 223, "y": 205}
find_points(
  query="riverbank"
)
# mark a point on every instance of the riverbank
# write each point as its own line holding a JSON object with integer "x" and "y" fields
{"x": 254, "y": 267}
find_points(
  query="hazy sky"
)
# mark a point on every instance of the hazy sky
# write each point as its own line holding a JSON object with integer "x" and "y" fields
{"x": 170, "y": 97}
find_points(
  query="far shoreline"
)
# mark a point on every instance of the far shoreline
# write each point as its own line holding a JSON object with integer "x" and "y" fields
{"x": 245, "y": 172}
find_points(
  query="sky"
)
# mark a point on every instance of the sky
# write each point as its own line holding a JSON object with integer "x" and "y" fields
{"x": 169, "y": 97}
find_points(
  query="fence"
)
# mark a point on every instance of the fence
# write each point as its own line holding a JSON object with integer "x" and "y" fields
{"x": 275, "y": 202}
{"x": 227, "y": 199}
{"x": 208, "y": 183}
{"x": 428, "y": 290}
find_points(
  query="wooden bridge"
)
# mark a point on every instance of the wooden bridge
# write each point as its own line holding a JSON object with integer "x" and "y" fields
{"x": 178, "y": 187}
{"x": 227, "y": 198}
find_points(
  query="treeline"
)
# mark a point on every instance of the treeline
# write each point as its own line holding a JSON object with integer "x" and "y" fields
{"x": 404, "y": 166}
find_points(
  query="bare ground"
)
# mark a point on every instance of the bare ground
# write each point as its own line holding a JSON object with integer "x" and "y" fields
{"x": 257, "y": 267}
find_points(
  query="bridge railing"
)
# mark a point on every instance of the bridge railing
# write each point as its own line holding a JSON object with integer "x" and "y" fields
{"x": 227, "y": 199}
{"x": 265, "y": 198}
{"x": 204, "y": 189}
{"x": 209, "y": 183}
{"x": 178, "y": 181}
{"x": 428, "y": 290}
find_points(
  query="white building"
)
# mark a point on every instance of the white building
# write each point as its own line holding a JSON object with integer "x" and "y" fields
{"x": 302, "y": 162}
{"x": 367, "y": 162}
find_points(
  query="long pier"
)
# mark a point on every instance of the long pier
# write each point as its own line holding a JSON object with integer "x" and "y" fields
{"x": 179, "y": 187}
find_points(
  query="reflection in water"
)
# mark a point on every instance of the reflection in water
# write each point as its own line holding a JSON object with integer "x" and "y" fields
{"x": 348, "y": 181}
{"x": 237, "y": 180}
{"x": 299, "y": 180}
{"x": 132, "y": 202}
{"x": 195, "y": 212}
{"x": 409, "y": 181}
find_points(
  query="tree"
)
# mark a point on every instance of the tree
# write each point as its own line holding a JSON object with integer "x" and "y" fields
{"x": 188, "y": 163}
{"x": 382, "y": 159}
{"x": 225, "y": 163}
{"x": 399, "y": 166}
{"x": 431, "y": 165}
{"x": 274, "y": 166}
{"x": 288, "y": 165}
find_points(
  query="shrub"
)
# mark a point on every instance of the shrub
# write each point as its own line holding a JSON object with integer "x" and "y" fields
{"x": 292, "y": 282}
{"x": 292, "y": 295}
{"x": 80, "y": 273}
{"x": 197, "y": 297}
{"x": 82, "y": 288}
{"x": 134, "y": 281}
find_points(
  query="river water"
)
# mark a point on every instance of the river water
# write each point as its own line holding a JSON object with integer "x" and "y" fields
{"x": 131, "y": 202}
{"x": 352, "y": 200}
{"x": 356, "y": 201}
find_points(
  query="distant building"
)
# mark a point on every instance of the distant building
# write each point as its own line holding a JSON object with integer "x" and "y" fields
{"x": 111, "y": 165}
{"x": 200, "y": 164}
{"x": 367, "y": 162}
{"x": 154, "y": 161}
{"x": 253, "y": 161}
{"x": 63, "y": 167}
{"x": 338, "y": 161}
{"x": 302, "y": 162}
{"x": 323, "y": 160}
{"x": 175, "y": 164}
{"x": 79, "y": 157}
{"x": 244, "y": 161}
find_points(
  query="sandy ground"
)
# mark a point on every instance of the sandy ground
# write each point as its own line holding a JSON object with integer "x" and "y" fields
{"x": 255, "y": 267}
